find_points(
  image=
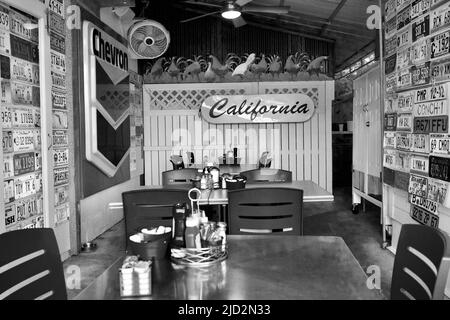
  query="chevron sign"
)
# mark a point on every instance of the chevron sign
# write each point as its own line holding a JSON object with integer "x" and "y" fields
{"x": 107, "y": 99}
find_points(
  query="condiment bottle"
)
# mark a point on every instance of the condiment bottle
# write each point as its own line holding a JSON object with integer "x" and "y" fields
{"x": 179, "y": 216}
{"x": 215, "y": 173}
{"x": 222, "y": 231}
{"x": 192, "y": 234}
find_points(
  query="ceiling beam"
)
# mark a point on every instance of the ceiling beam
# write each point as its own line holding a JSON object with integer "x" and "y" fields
{"x": 332, "y": 16}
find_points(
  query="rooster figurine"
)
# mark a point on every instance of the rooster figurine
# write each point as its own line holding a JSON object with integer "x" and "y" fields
{"x": 157, "y": 68}
{"x": 260, "y": 67}
{"x": 221, "y": 70}
{"x": 195, "y": 66}
{"x": 274, "y": 65}
{"x": 315, "y": 66}
{"x": 291, "y": 67}
{"x": 244, "y": 67}
{"x": 210, "y": 75}
{"x": 173, "y": 69}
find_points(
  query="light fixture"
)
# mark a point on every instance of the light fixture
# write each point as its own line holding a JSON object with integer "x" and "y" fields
{"x": 231, "y": 12}
{"x": 30, "y": 25}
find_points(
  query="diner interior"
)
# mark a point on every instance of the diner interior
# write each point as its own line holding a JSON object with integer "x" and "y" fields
{"x": 225, "y": 149}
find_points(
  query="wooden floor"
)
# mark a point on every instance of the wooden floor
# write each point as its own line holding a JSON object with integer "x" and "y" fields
{"x": 361, "y": 232}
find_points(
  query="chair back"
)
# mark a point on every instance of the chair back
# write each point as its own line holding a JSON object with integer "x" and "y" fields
{"x": 421, "y": 264}
{"x": 150, "y": 208}
{"x": 277, "y": 211}
{"x": 30, "y": 266}
{"x": 267, "y": 175}
{"x": 179, "y": 179}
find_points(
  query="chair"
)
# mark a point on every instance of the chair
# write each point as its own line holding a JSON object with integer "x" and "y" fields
{"x": 276, "y": 211}
{"x": 179, "y": 179}
{"x": 150, "y": 208}
{"x": 421, "y": 264}
{"x": 267, "y": 175}
{"x": 30, "y": 266}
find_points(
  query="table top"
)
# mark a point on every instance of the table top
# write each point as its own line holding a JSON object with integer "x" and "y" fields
{"x": 259, "y": 268}
{"x": 230, "y": 168}
{"x": 312, "y": 192}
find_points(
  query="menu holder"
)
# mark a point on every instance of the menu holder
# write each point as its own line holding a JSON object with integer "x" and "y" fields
{"x": 201, "y": 257}
{"x": 135, "y": 282}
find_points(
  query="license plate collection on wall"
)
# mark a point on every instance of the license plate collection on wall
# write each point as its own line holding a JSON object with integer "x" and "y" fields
{"x": 60, "y": 136}
{"x": 416, "y": 133}
{"x": 21, "y": 121}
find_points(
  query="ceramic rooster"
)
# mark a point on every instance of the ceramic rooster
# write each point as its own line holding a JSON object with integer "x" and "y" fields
{"x": 244, "y": 67}
{"x": 291, "y": 67}
{"x": 315, "y": 65}
{"x": 260, "y": 67}
{"x": 193, "y": 69}
{"x": 222, "y": 70}
{"x": 157, "y": 68}
{"x": 210, "y": 75}
{"x": 173, "y": 69}
{"x": 275, "y": 65}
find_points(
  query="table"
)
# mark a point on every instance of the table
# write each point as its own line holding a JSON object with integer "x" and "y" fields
{"x": 311, "y": 192}
{"x": 229, "y": 168}
{"x": 259, "y": 268}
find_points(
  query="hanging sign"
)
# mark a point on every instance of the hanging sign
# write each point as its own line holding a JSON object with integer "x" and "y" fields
{"x": 266, "y": 108}
{"x": 424, "y": 217}
{"x": 437, "y": 124}
{"x": 420, "y": 143}
{"x": 390, "y": 122}
{"x": 440, "y": 44}
{"x": 418, "y": 185}
{"x": 440, "y": 17}
{"x": 439, "y": 168}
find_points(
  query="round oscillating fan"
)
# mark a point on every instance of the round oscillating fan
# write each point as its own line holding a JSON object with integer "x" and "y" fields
{"x": 148, "y": 39}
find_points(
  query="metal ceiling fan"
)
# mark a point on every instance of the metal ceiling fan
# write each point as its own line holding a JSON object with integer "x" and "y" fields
{"x": 231, "y": 10}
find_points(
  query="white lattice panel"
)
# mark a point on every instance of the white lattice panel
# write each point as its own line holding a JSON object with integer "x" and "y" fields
{"x": 172, "y": 125}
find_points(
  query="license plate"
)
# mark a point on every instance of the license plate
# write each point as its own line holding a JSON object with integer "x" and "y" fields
{"x": 62, "y": 213}
{"x": 440, "y": 44}
{"x": 439, "y": 168}
{"x": 440, "y": 71}
{"x": 405, "y": 101}
{"x": 60, "y": 120}
{"x": 420, "y": 143}
{"x": 423, "y": 203}
{"x": 390, "y": 27}
{"x": 390, "y": 122}
{"x": 389, "y": 140}
{"x": 57, "y": 6}
{"x": 439, "y": 143}
{"x": 21, "y": 70}
{"x": 26, "y": 208}
{"x": 402, "y": 161}
{"x": 5, "y": 46}
{"x": 61, "y": 176}
{"x": 390, "y": 46}
{"x": 59, "y": 100}
{"x": 404, "y": 122}
{"x": 38, "y": 161}
{"x": 431, "y": 108}
{"x": 419, "y": 7}
{"x": 57, "y": 43}
{"x": 437, "y": 92}
{"x": 58, "y": 80}
{"x": 390, "y": 64}
{"x": 404, "y": 38}
{"x": 390, "y": 106}
{"x": 420, "y": 74}
{"x": 403, "y": 141}
{"x": 404, "y": 78}
{"x": 418, "y": 185}
{"x": 7, "y": 141}
{"x": 60, "y": 157}
{"x": 60, "y": 138}
{"x": 21, "y": 93}
{"x": 419, "y": 164}
{"x": 437, "y": 124}
{"x": 61, "y": 195}
{"x": 25, "y": 50}
{"x": 5, "y": 92}
{"x": 403, "y": 18}
{"x": 24, "y": 186}
{"x": 56, "y": 23}
{"x": 424, "y": 217}
{"x": 23, "y": 117}
{"x": 8, "y": 188}
{"x": 404, "y": 58}
{"x": 58, "y": 61}
{"x": 420, "y": 51}
{"x": 6, "y": 115}
{"x": 402, "y": 3}
{"x": 18, "y": 21}
{"x": 8, "y": 166}
{"x": 10, "y": 216}
{"x": 391, "y": 83}
{"x": 23, "y": 140}
{"x": 437, "y": 191}
{"x": 5, "y": 66}
{"x": 440, "y": 17}
{"x": 401, "y": 180}
{"x": 421, "y": 28}
{"x": 4, "y": 19}
{"x": 24, "y": 163}
{"x": 389, "y": 158}
{"x": 390, "y": 8}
